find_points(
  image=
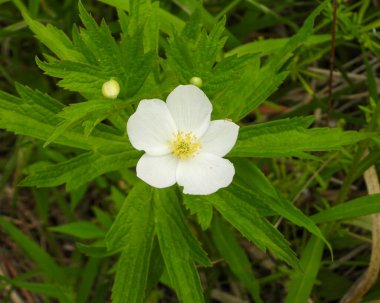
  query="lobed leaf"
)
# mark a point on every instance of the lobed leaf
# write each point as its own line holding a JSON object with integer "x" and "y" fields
{"x": 79, "y": 170}
{"x": 133, "y": 233}
{"x": 178, "y": 247}
{"x": 245, "y": 218}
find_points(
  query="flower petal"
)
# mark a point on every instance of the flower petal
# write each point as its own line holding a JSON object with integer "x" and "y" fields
{"x": 151, "y": 127}
{"x": 190, "y": 109}
{"x": 157, "y": 171}
{"x": 204, "y": 174}
{"x": 220, "y": 137}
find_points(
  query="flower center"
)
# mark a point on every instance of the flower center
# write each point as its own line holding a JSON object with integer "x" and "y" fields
{"x": 184, "y": 145}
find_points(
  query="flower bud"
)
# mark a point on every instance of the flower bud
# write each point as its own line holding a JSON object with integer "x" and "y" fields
{"x": 111, "y": 89}
{"x": 196, "y": 81}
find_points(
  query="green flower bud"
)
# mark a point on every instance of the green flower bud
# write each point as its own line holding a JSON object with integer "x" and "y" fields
{"x": 111, "y": 89}
{"x": 196, "y": 81}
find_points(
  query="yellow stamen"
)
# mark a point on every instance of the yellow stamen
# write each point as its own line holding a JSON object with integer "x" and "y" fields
{"x": 184, "y": 146}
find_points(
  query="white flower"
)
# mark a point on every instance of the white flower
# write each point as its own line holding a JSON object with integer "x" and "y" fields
{"x": 181, "y": 144}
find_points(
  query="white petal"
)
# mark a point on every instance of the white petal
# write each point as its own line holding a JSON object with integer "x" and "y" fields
{"x": 190, "y": 109}
{"x": 204, "y": 174}
{"x": 151, "y": 127}
{"x": 220, "y": 137}
{"x": 157, "y": 171}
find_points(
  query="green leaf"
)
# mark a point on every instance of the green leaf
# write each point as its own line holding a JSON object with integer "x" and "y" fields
{"x": 34, "y": 115}
{"x": 302, "y": 281}
{"x": 192, "y": 6}
{"x": 278, "y": 60}
{"x": 267, "y": 195}
{"x": 192, "y": 56}
{"x": 87, "y": 111}
{"x": 89, "y": 275}
{"x": 142, "y": 14}
{"x": 80, "y": 230}
{"x": 167, "y": 21}
{"x": 34, "y": 251}
{"x": 136, "y": 64}
{"x": 79, "y": 170}
{"x": 178, "y": 247}
{"x": 134, "y": 203}
{"x": 55, "y": 39}
{"x": 201, "y": 208}
{"x": 362, "y": 206}
{"x": 78, "y": 77}
{"x": 245, "y": 218}
{"x": 254, "y": 87}
{"x": 268, "y": 46}
{"x": 57, "y": 291}
{"x": 97, "y": 249}
{"x": 156, "y": 267}
{"x": 229, "y": 248}
{"x": 263, "y": 140}
{"x": 262, "y": 88}
{"x": 133, "y": 231}
{"x": 100, "y": 42}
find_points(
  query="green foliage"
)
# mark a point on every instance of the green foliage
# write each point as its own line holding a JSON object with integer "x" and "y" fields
{"x": 278, "y": 139}
{"x": 133, "y": 233}
{"x": 81, "y": 230}
{"x": 362, "y": 206}
{"x": 178, "y": 247}
{"x": 246, "y": 218}
{"x": 302, "y": 281}
{"x": 228, "y": 246}
{"x": 44, "y": 261}
{"x": 75, "y": 136}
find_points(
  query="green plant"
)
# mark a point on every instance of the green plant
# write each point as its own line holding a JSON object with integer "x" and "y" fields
{"x": 153, "y": 234}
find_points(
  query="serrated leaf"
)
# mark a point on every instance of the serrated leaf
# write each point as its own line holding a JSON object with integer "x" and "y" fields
{"x": 78, "y": 77}
{"x": 255, "y": 228}
{"x": 263, "y": 89}
{"x": 260, "y": 191}
{"x": 92, "y": 111}
{"x": 254, "y": 88}
{"x": 133, "y": 232}
{"x": 178, "y": 247}
{"x": 229, "y": 248}
{"x": 201, "y": 208}
{"x": 101, "y": 43}
{"x": 136, "y": 64}
{"x": 267, "y": 141}
{"x": 362, "y": 206}
{"x": 134, "y": 203}
{"x": 194, "y": 52}
{"x": 156, "y": 268}
{"x": 55, "y": 39}
{"x": 79, "y": 170}
{"x": 32, "y": 117}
